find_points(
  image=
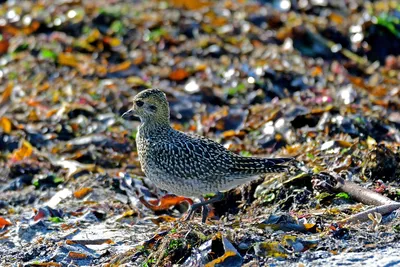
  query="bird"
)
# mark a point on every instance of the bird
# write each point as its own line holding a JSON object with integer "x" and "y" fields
{"x": 186, "y": 164}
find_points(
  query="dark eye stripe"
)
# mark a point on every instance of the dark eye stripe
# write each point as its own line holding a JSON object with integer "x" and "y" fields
{"x": 139, "y": 103}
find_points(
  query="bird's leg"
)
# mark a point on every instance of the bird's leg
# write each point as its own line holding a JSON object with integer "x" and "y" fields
{"x": 218, "y": 197}
{"x": 204, "y": 212}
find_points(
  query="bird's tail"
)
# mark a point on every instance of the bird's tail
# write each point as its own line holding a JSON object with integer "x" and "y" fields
{"x": 253, "y": 165}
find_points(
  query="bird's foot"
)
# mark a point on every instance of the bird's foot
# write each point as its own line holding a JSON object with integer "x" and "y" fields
{"x": 204, "y": 213}
{"x": 193, "y": 208}
{"x": 203, "y": 204}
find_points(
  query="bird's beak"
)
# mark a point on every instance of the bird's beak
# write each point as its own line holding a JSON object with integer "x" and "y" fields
{"x": 128, "y": 114}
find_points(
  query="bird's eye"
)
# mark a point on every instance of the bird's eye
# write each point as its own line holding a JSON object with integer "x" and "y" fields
{"x": 152, "y": 107}
{"x": 139, "y": 103}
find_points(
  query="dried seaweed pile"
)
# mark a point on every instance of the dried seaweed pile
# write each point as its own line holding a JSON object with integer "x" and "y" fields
{"x": 316, "y": 80}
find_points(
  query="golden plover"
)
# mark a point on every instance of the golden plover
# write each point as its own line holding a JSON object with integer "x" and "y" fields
{"x": 189, "y": 165}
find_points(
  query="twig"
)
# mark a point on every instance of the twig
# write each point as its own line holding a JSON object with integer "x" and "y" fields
{"x": 330, "y": 44}
{"x": 333, "y": 182}
{"x": 360, "y": 193}
{"x": 363, "y": 216}
{"x": 90, "y": 242}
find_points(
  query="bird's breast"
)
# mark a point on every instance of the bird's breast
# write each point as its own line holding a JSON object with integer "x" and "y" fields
{"x": 143, "y": 145}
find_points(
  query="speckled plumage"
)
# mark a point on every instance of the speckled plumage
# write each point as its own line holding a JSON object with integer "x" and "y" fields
{"x": 189, "y": 165}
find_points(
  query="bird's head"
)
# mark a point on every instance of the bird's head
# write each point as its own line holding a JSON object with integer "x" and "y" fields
{"x": 150, "y": 105}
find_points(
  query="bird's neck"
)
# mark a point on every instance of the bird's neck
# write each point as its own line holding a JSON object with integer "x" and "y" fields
{"x": 148, "y": 128}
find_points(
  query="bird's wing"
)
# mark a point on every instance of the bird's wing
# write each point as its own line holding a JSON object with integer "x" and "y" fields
{"x": 191, "y": 157}
{"x": 253, "y": 165}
